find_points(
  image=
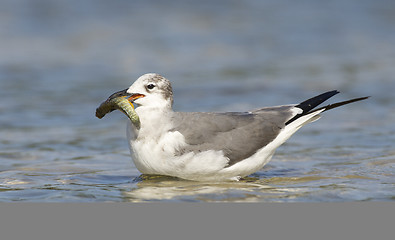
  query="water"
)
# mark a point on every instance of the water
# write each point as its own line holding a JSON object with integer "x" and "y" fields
{"x": 60, "y": 59}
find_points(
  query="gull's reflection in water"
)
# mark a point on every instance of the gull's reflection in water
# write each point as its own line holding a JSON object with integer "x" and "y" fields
{"x": 163, "y": 188}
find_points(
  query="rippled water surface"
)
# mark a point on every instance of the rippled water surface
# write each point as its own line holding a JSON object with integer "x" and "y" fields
{"x": 60, "y": 59}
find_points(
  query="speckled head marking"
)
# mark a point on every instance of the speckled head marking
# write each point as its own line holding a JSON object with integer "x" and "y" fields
{"x": 162, "y": 84}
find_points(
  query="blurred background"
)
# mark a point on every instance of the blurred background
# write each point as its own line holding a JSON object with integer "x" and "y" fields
{"x": 60, "y": 59}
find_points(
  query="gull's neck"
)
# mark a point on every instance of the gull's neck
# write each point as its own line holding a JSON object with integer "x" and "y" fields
{"x": 154, "y": 120}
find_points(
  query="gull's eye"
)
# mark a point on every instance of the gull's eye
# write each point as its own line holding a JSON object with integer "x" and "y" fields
{"x": 150, "y": 86}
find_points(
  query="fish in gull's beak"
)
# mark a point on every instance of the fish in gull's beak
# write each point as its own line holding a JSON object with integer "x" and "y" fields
{"x": 115, "y": 102}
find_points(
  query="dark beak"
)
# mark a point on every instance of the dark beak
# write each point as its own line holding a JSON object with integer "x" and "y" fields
{"x": 123, "y": 93}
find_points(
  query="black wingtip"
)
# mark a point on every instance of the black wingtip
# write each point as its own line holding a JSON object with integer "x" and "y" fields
{"x": 309, "y": 105}
{"x": 313, "y": 102}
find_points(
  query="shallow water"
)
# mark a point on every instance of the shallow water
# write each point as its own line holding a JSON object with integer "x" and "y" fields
{"x": 60, "y": 59}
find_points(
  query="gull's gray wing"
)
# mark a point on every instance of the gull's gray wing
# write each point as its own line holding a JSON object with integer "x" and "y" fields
{"x": 238, "y": 135}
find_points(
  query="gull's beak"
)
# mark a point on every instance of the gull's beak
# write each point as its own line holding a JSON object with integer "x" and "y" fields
{"x": 123, "y": 93}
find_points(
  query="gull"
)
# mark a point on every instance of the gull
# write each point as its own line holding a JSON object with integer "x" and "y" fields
{"x": 209, "y": 146}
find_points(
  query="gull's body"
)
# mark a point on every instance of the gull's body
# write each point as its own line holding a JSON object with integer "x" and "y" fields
{"x": 209, "y": 146}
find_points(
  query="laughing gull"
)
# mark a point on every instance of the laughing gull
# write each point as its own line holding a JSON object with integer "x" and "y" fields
{"x": 206, "y": 146}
